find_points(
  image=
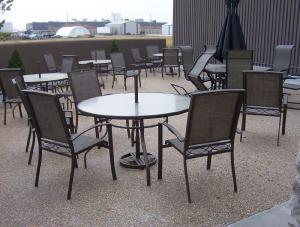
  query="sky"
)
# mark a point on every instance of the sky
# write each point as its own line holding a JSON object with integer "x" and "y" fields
{"x": 26, "y": 11}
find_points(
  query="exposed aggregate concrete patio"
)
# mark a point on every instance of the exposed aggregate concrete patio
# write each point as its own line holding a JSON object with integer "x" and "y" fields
{"x": 265, "y": 173}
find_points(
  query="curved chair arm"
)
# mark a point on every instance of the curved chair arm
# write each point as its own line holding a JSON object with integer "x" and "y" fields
{"x": 175, "y": 86}
{"x": 173, "y": 131}
{"x": 88, "y": 129}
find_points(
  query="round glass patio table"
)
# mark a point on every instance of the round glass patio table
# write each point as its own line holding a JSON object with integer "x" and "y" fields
{"x": 123, "y": 106}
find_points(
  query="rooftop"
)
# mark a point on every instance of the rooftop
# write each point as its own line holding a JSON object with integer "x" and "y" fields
{"x": 265, "y": 173}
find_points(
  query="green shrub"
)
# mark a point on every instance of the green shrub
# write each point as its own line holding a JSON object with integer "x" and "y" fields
{"x": 114, "y": 46}
{"x": 15, "y": 61}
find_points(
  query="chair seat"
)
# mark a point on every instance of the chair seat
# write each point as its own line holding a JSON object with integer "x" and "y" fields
{"x": 83, "y": 143}
{"x": 132, "y": 73}
{"x": 198, "y": 152}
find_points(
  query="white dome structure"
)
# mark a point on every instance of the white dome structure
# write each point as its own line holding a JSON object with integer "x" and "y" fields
{"x": 72, "y": 32}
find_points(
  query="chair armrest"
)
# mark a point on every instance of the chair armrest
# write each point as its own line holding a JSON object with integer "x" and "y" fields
{"x": 175, "y": 86}
{"x": 88, "y": 129}
{"x": 173, "y": 131}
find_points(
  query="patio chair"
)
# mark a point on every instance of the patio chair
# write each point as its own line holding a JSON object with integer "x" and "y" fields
{"x": 198, "y": 68}
{"x": 50, "y": 63}
{"x": 187, "y": 59}
{"x": 100, "y": 55}
{"x": 84, "y": 85}
{"x": 9, "y": 93}
{"x": 156, "y": 61}
{"x": 140, "y": 62}
{"x": 32, "y": 130}
{"x": 282, "y": 58}
{"x": 210, "y": 130}
{"x": 53, "y": 135}
{"x": 236, "y": 62}
{"x": 264, "y": 96}
{"x": 119, "y": 68}
{"x": 69, "y": 64}
{"x": 170, "y": 60}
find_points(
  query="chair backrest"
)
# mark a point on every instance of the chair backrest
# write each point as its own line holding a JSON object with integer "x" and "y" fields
{"x": 84, "y": 85}
{"x": 48, "y": 116}
{"x": 170, "y": 56}
{"x": 213, "y": 117}
{"x": 187, "y": 58}
{"x": 50, "y": 63}
{"x": 136, "y": 55}
{"x": 69, "y": 63}
{"x": 236, "y": 62}
{"x": 98, "y": 54}
{"x": 150, "y": 50}
{"x": 202, "y": 61}
{"x": 19, "y": 87}
{"x": 117, "y": 60}
{"x": 282, "y": 58}
{"x": 263, "y": 89}
{"x": 8, "y": 88}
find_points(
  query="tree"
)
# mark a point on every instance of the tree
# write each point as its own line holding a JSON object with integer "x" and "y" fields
{"x": 15, "y": 61}
{"x": 5, "y": 5}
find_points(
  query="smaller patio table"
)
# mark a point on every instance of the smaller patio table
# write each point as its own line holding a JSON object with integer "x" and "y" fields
{"x": 217, "y": 71}
{"x": 123, "y": 106}
{"x": 95, "y": 62}
{"x": 45, "y": 78}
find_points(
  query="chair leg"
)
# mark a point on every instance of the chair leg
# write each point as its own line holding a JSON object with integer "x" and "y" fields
{"x": 71, "y": 177}
{"x": 32, "y": 148}
{"x": 111, "y": 152}
{"x": 244, "y": 121}
{"x": 114, "y": 77}
{"x": 284, "y": 119}
{"x": 140, "y": 80}
{"x": 160, "y": 151}
{"x": 28, "y": 139}
{"x": 38, "y": 167}
{"x": 125, "y": 83}
{"x": 162, "y": 72}
{"x": 20, "y": 110}
{"x": 233, "y": 171}
{"x": 278, "y": 134}
{"x": 187, "y": 180}
{"x": 4, "y": 113}
{"x": 76, "y": 123}
{"x": 208, "y": 162}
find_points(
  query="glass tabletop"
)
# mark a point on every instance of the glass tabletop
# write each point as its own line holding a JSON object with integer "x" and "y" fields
{"x": 45, "y": 77}
{"x": 95, "y": 62}
{"x": 221, "y": 68}
{"x": 122, "y": 106}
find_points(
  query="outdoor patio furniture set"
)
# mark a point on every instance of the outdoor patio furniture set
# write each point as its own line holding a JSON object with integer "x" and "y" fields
{"x": 211, "y": 120}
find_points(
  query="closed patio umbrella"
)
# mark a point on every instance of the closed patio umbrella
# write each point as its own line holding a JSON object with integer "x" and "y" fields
{"x": 231, "y": 37}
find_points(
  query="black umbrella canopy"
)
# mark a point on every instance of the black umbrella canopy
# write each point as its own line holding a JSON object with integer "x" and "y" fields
{"x": 231, "y": 37}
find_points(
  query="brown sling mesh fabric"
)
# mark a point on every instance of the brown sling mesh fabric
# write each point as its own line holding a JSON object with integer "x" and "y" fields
{"x": 238, "y": 61}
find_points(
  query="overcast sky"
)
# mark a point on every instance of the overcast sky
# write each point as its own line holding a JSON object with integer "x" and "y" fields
{"x": 26, "y": 11}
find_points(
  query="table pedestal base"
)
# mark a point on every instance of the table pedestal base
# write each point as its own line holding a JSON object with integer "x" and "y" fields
{"x": 131, "y": 161}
